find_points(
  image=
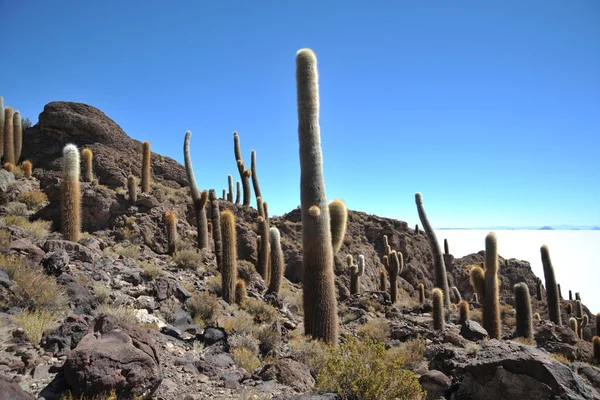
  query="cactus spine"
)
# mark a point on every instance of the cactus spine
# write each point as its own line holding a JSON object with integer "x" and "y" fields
{"x": 9, "y": 145}
{"x": 339, "y": 221}
{"x": 199, "y": 199}
{"x": 551, "y": 288}
{"x": 463, "y": 311}
{"x": 216, "y": 226}
{"x": 277, "y": 261}
{"x": 171, "y": 223}
{"x": 229, "y": 258}
{"x": 27, "y": 168}
{"x": 240, "y": 292}
{"x": 437, "y": 297}
{"x": 238, "y": 190}
{"x": 421, "y": 293}
{"x": 18, "y": 135}
{"x": 132, "y": 189}
{"x": 230, "y": 186}
{"x": 356, "y": 271}
{"x": 86, "y": 155}
{"x": 70, "y": 201}
{"x": 396, "y": 262}
{"x": 523, "y": 307}
{"x": 146, "y": 167}
{"x": 320, "y": 304}
{"x": 440, "y": 268}
{"x": 255, "y": 184}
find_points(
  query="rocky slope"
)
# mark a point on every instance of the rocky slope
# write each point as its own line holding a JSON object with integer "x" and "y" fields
{"x": 117, "y": 311}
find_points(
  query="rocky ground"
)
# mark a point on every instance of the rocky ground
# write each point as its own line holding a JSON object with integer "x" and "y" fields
{"x": 116, "y": 311}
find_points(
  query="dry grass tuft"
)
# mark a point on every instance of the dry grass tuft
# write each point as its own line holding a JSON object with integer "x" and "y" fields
{"x": 38, "y": 229}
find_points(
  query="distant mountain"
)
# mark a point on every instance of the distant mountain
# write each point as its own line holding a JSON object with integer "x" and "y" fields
{"x": 563, "y": 227}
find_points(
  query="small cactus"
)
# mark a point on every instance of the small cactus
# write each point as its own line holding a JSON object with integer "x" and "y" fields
{"x": 477, "y": 278}
{"x": 523, "y": 307}
{"x": 578, "y": 309}
{"x": 421, "y": 288}
{"x": 446, "y": 247}
{"x": 356, "y": 271}
{"x": 463, "y": 311}
{"x": 573, "y": 325}
{"x": 382, "y": 280}
{"x": 537, "y": 317}
{"x": 570, "y": 295}
{"x": 551, "y": 287}
{"x": 437, "y": 297}
{"x": 230, "y": 186}
{"x": 132, "y": 189}
{"x": 238, "y": 190}
{"x": 86, "y": 156}
{"x": 569, "y": 309}
{"x": 146, "y": 167}
{"x": 9, "y": 144}
{"x": 394, "y": 270}
{"x": 386, "y": 246}
{"x": 416, "y": 229}
{"x": 277, "y": 261}
{"x": 229, "y": 257}
{"x": 216, "y": 227}
{"x": 171, "y": 223}
{"x": 338, "y": 214}
{"x": 240, "y": 292}
{"x": 27, "y": 169}
{"x": 8, "y": 167}
{"x": 491, "y": 302}
{"x": 596, "y": 346}
{"x": 70, "y": 195}
{"x": 538, "y": 287}
{"x": 582, "y": 325}
{"x": 456, "y": 293}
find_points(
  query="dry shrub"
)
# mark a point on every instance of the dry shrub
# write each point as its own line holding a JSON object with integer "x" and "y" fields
{"x": 125, "y": 314}
{"x": 292, "y": 298}
{"x": 34, "y": 200}
{"x": 269, "y": 339}
{"x": 101, "y": 292}
{"x": 262, "y": 312}
{"x": 241, "y": 323}
{"x": 476, "y": 315}
{"x": 377, "y": 329}
{"x": 120, "y": 250}
{"x": 243, "y": 340}
{"x": 38, "y": 229}
{"x": 149, "y": 270}
{"x": 16, "y": 209}
{"x": 525, "y": 341}
{"x": 411, "y": 352}
{"x": 312, "y": 353}
{"x": 35, "y": 289}
{"x": 5, "y": 239}
{"x": 214, "y": 284}
{"x": 204, "y": 308}
{"x": 245, "y": 358}
{"x": 35, "y": 323}
{"x": 187, "y": 258}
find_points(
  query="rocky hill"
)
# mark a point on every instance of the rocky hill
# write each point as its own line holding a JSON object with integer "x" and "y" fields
{"x": 116, "y": 311}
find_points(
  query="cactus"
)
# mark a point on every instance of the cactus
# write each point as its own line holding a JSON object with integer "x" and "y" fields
{"x": 146, "y": 167}
{"x": 570, "y": 296}
{"x": 230, "y": 186}
{"x": 320, "y": 304}
{"x": 229, "y": 257}
{"x": 277, "y": 261}
{"x": 463, "y": 311}
{"x": 395, "y": 269}
{"x": 132, "y": 189}
{"x": 86, "y": 156}
{"x": 537, "y": 317}
{"x": 596, "y": 346}
{"x": 199, "y": 199}
{"x": 437, "y": 297}
{"x": 27, "y": 168}
{"x": 577, "y": 296}
{"x": 446, "y": 248}
{"x": 573, "y": 325}
{"x": 240, "y": 292}
{"x": 1, "y": 126}
{"x": 265, "y": 249}
{"x": 255, "y": 185}
{"x": 247, "y": 174}
{"x": 598, "y": 324}
{"x": 538, "y": 287}
{"x": 244, "y": 173}
{"x": 523, "y": 307}
{"x": 582, "y": 325}
{"x": 356, "y": 271}
{"x": 216, "y": 226}
{"x": 8, "y": 167}
{"x": 440, "y": 269}
{"x": 457, "y": 296}
{"x": 569, "y": 309}
{"x": 559, "y": 291}
{"x": 578, "y": 309}
{"x": 477, "y": 278}
{"x": 416, "y": 229}
{"x": 491, "y": 302}
{"x": 224, "y": 196}
{"x": 338, "y": 213}
{"x": 386, "y": 246}
{"x": 9, "y": 145}
{"x": 421, "y": 288}
{"x": 238, "y": 191}
{"x": 551, "y": 288}
{"x": 70, "y": 196}
{"x": 382, "y": 280}
{"x": 18, "y": 135}
{"x": 171, "y": 223}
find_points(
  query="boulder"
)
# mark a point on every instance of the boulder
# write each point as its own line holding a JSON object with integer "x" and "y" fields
{"x": 12, "y": 391}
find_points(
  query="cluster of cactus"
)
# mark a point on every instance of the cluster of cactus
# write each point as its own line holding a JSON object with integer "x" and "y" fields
{"x": 485, "y": 284}
{"x": 11, "y": 134}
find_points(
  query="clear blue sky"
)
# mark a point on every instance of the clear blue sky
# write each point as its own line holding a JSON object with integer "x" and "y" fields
{"x": 491, "y": 109}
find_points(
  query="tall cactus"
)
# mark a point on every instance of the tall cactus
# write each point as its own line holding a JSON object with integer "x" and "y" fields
{"x": 216, "y": 227}
{"x": 265, "y": 248}
{"x": 356, "y": 271}
{"x": 277, "y": 261}
{"x": 320, "y": 304}
{"x": 463, "y": 311}
{"x": 230, "y": 186}
{"x": 9, "y": 145}
{"x": 238, "y": 190}
{"x": 18, "y": 135}
{"x": 132, "y": 189}
{"x": 70, "y": 196}
{"x": 146, "y": 167}
{"x": 396, "y": 264}
{"x": 244, "y": 173}
{"x": 446, "y": 247}
{"x": 438, "y": 258}
{"x": 523, "y": 307}
{"x": 199, "y": 199}
{"x": 339, "y": 221}
{"x": 88, "y": 174}
{"x": 1, "y": 126}
{"x": 229, "y": 258}
{"x": 437, "y": 297}
{"x": 255, "y": 184}
{"x": 491, "y": 302}
{"x": 171, "y": 224}
{"x": 551, "y": 287}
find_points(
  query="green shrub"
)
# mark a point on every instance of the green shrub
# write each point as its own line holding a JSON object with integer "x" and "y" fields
{"x": 366, "y": 371}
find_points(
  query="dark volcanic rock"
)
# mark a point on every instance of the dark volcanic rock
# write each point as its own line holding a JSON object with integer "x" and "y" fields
{"x": 12, "y": 391}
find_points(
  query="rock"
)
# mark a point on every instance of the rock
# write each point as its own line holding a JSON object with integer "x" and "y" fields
{"x": 6, "y": 179}
{"x": 288, "y": 372}
{"x": 114, "y": 355}
{"x": 34, "y": 253}
{"x": 435, "y": 383}
{"x": 56, "y": 263}
{"x": 471, "y": 330}
{"x": 4, "y": 279}
{"x": 213, "y": 335}
{"x": 66, "y": 337}
{"x": 74, "y": 250}
{"x": 146, "y": 302}
{"x": 11, "y": 390}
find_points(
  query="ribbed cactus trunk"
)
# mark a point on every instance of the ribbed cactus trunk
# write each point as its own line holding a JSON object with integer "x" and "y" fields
{"x": 146, "y": 167}
{"x": 1, "y": 126}
{"x": 229, "y": 258}
{"x": 171, "y": 224}
{"x": 88, "y": 174}
{"x": 70, "y": 196}
{"x": 320, "y": 304}
{"x": 216, "y": 227}
{"x": 491, "y": 303}
{"x": 230, "y": 186}
{"x": 27, "y": 168}
{"x": 441, "y": 281}
{"x": 551, "y": 287}
{"x": 255, "y": 184}
{"x": 18, "y": 135}
{"x": 277, "y": 261}
{"x": 132, "y": 189}
{"x": 523, "y": 307}
{"x": 199, "y": 199}
{"x": 238, "y": 192}
{"x": 264, "y": 258}
{"x": 244, "y": 173}
{"x": 437, "y": 297}
{"x": 9, "y": 145}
